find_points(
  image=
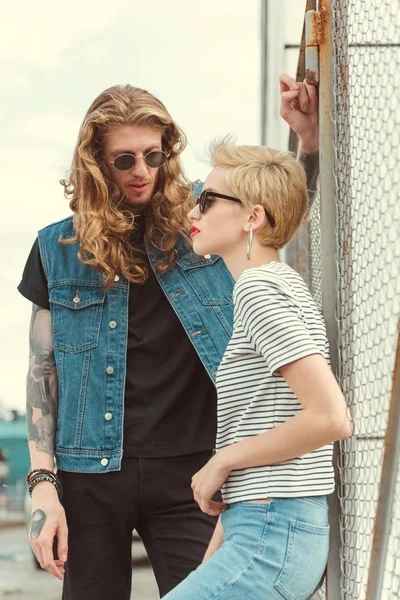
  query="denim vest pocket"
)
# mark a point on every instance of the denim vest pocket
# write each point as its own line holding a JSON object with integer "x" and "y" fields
{"x": 76, "y": 312}
{"x": 305, "y": 560}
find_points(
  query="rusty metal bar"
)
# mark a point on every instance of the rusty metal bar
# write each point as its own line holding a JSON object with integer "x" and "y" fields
{"x": 301, "y": 71}
{"x": 314, "y": 36}
{"x": 387, "y": 489}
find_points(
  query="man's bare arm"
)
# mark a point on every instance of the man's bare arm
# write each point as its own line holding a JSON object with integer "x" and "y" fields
{"x": 48, "y": 516}
{"x": 42, "y": 390}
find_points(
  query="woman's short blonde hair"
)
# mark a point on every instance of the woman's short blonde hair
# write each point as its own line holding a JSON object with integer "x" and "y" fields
{"x": 273, "y": 179}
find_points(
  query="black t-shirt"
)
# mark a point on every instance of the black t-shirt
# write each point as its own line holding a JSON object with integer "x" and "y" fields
{"x": 170, "y": 401}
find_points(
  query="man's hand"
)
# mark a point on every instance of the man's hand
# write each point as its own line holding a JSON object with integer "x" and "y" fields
{"x": 299, "y": 108}
{"x": 206, "y": 482}
{"x": 48, "y": 521}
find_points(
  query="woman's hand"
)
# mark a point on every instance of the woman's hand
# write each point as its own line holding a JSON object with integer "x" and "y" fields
{"x": 208, "y": 481}
{"x": 299, "y": 108}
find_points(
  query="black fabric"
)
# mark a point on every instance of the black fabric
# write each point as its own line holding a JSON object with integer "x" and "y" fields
{"x": 34, "y": 282}
{"x": 152, "y": 496}
{"x": 170, "y": 401}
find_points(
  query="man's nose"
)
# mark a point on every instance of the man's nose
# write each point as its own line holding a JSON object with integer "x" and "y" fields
{"x": 140, "y": 169}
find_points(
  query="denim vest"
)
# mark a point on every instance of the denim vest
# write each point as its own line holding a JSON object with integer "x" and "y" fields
{"x": 90, "y": 330}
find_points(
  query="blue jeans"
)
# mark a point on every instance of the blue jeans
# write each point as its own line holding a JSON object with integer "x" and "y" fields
{"x": 270, "y": 551}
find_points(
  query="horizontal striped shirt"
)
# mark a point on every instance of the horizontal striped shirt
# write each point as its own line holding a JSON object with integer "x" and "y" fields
{"x": 276, "y": 322}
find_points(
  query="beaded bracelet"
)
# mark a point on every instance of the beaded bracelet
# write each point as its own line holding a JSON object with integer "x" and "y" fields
{"x": 38, "y": 475}
{"x": 37, "y": 471}
{"x": 44, "y": 477}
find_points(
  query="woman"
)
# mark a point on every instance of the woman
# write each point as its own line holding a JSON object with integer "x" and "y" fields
{"x": 279, "y": 406}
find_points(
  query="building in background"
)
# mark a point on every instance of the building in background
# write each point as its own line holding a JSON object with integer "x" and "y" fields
{"x": 14, "y": 445}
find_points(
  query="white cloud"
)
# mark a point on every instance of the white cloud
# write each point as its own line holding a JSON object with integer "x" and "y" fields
{"x": 201, "y": 59}
{"x": 39, "y": 33}
{"x": 48, "y": 127}
{"x": 9, "y": 78}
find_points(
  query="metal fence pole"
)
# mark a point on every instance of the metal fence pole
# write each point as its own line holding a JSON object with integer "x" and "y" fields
{"x": 328, "y": 254}
{"x": 264, "y": 67}
{"x": 387, "y": 489}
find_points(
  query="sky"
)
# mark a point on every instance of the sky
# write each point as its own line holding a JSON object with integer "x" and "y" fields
{"x": 202, "y": 59}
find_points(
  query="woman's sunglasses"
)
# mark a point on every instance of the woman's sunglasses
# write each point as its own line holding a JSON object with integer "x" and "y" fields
{"x": 154, "y": 159}
{"x": 206, "y": 199}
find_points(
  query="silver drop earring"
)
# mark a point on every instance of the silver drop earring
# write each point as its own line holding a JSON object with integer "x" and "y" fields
{"x": 249, "y": 243}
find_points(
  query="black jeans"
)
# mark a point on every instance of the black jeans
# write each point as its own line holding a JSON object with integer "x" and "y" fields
{"x": 152, "y": 496}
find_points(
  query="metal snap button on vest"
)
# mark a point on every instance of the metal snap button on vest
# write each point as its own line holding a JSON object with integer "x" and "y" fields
{"x": 76, "y": 300}
{"x": 112, "y": 324}
{"x": 110, "y": 370}
{"x": 116, "y": 278}
{"x": 104, "y": 462}
{"x": 108, "y": 416}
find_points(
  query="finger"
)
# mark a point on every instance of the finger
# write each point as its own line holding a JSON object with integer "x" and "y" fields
{"x": 312, "y": 94}
{"x": 38, "y": 553}
{"x": 287, "y": 82}
{"x": 304, "y": 99}
{"x": 206, "y": 508}
{"x": 62, "y": 545}
{"x": 48, "y": 559}
{"x": 213, "y": 508}
{"x": 61, "y": 566}
{"x": 289, "y": 101}
{"x": 290, "y": 95}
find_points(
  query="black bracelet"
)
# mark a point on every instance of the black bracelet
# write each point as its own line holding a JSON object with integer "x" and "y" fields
{"x": 35, "y": 471}
{"x": 43, "y": 478}
{"x": 40, "y": 476}
{"x": 50, "y": 477}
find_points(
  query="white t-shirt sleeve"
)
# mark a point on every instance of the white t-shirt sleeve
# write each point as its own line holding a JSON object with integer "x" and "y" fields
{"x": 272, "y": 318}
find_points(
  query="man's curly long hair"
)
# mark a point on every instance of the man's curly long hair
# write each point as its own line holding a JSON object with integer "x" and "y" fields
{"x": 102, "y": 228}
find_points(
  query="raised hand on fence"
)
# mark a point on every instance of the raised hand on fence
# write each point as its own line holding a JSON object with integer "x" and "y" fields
{"x": 299, "y": 108}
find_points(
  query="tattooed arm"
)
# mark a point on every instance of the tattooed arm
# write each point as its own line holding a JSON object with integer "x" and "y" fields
{"x": 48, "y": 517}
{"x": 42, "y": 392}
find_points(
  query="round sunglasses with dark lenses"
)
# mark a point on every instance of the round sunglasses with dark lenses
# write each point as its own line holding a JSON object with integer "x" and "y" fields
{"x": 153, "y": 159}
{"x": 207, "y": 197}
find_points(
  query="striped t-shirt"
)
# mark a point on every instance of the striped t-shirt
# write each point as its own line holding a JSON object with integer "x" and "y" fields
{"x": 276, "y": 322}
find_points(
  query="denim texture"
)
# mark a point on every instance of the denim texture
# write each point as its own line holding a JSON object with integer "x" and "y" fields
{"x": 270, "y": 551}
{"x": 90, "y": 330}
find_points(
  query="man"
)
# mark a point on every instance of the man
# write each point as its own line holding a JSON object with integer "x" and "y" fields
{"x": 128, "y": 328}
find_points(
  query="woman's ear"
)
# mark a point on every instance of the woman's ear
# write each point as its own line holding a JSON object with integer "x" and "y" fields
{"x": 256, "y": 218}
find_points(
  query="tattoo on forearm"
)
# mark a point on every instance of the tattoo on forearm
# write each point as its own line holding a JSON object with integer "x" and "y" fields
{"x": 42, "y": 383}
{"x": 37, "y": 524}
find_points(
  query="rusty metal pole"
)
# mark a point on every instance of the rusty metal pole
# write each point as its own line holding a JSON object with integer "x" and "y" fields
{"x": 387, "y": 489}
{"x": 323, "y": 34}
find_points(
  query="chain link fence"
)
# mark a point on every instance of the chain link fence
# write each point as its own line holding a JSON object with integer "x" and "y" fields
{"x": 366, "y": 117}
